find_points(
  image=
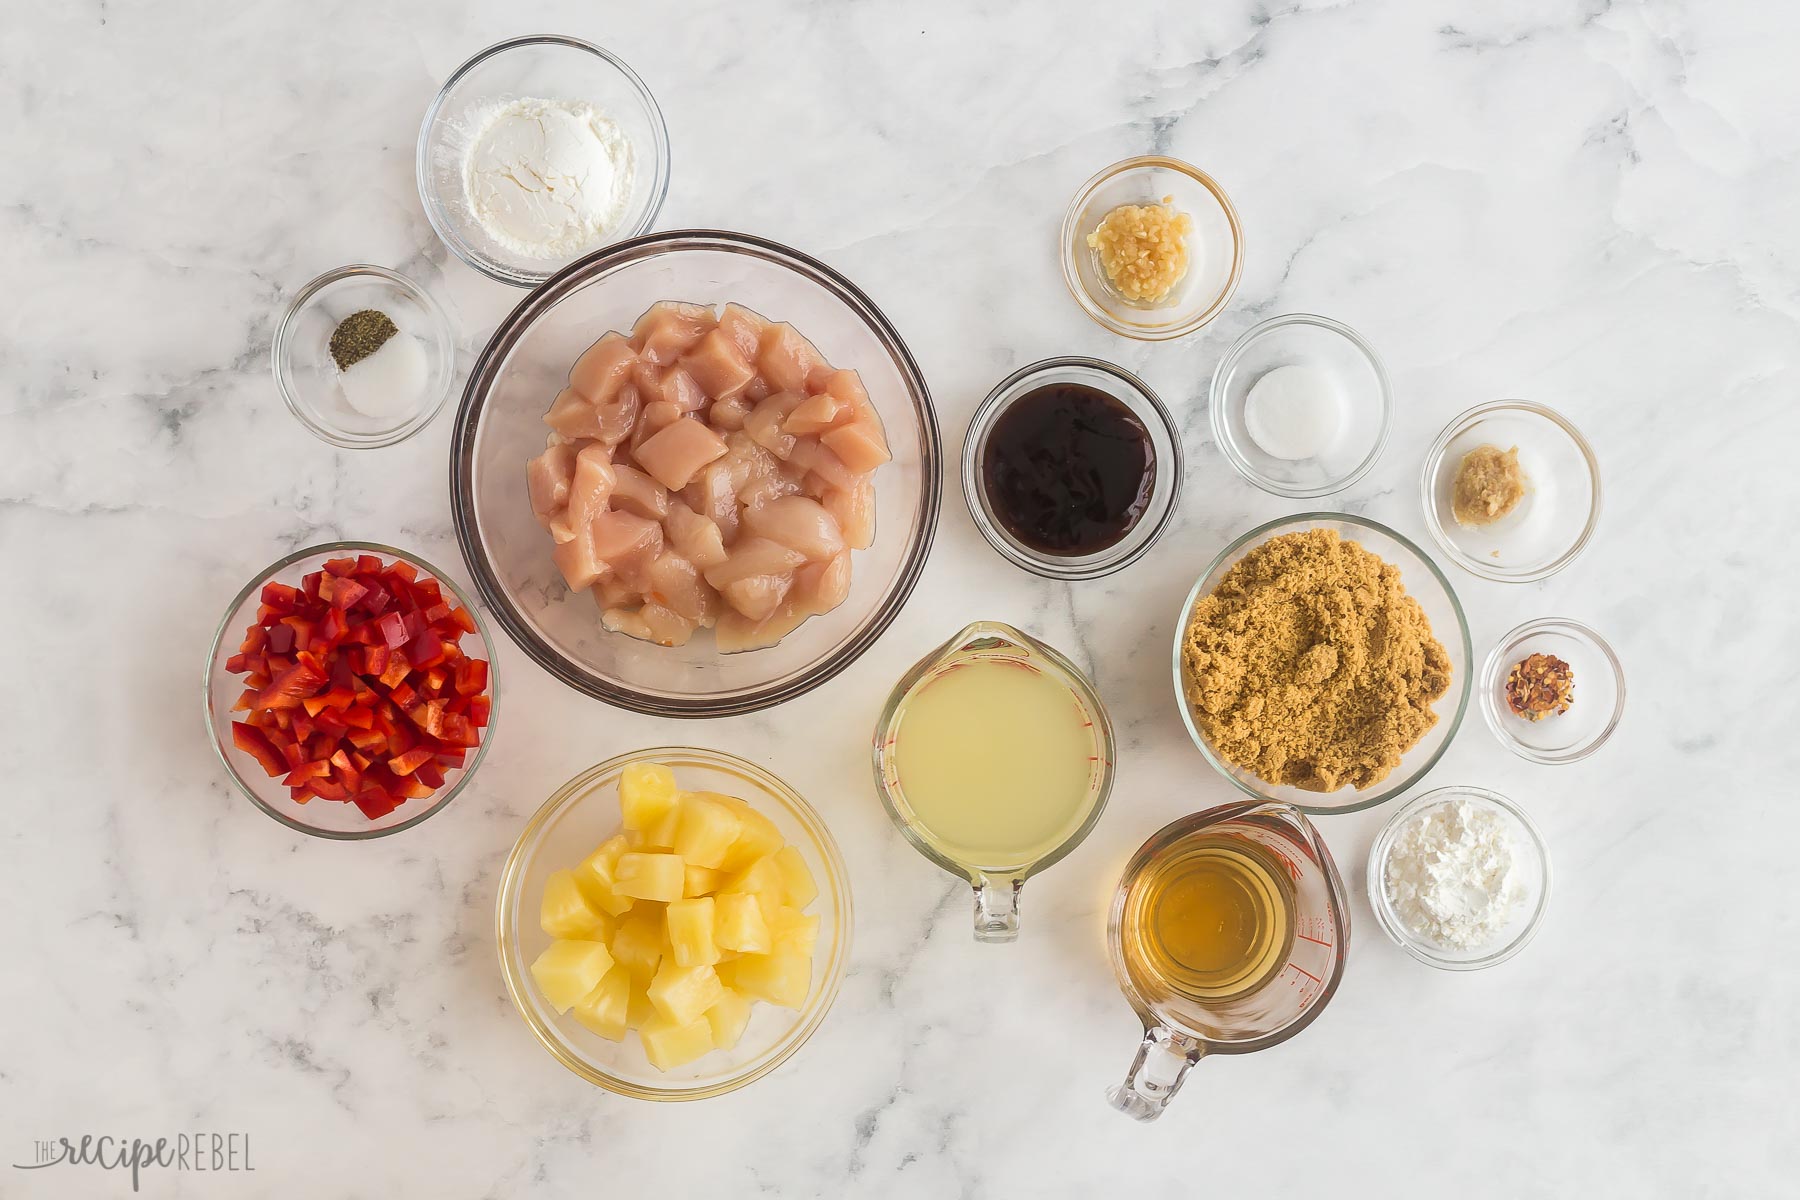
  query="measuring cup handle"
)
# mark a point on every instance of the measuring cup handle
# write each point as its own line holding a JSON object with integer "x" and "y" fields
{"x": 997, "y": 909}
{"x": 1162, "y": 1062}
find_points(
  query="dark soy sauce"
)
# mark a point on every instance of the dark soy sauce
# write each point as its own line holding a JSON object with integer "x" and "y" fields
{"x": 1068, "y": 469}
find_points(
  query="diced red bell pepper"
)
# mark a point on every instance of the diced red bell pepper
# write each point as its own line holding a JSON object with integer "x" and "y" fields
{"x": 325, "y": 789}
{"x": 406, "y": 764}
{"x": 453, "y": 757}
{"x": 426, "y": 650}
{"x": 290, "y": 687}
{"x": 255, "y": 742}
{"x": 480, "y": 711}
{"x": 402, "y": 570}
{"x": 292, "y": 751}
{"x": 434, "y": 680}
{"x": 397, "y": 671}
{"x": 347, "y": 593}
{"x": 393, "y": 629}
{"x": 281, "y": 638}
{"x": 306, "y": 771}
{"x": 471, "y": 677}
{"x": 376, "y": 803}
{"x": 411, "y": 788}
{"x": 358, "y": 717}
{"x": 428, "y": 716}
{"x": 368, "y": 739}
{"x": 437, "y": 612}
{"x": 368, "y": 564}
{"x": 331, "y": 723}
{"x": 430, "y": 774}
{"x": 309, "y": 584}
{"x": 338, "y": 696}
{"x": 378, "y": 598}
{"x": 339, "y": 566}
{"x": 463, "y": 619}
{"x": 281, "y": 596}
{"x": 375, "y": 659}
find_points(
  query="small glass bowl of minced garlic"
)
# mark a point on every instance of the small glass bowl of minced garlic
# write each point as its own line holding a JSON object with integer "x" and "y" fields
{"x": 364, "y": 357}
{"x": 1151, "y": 248}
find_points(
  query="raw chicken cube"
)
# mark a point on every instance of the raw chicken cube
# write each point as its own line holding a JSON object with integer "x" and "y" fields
{"x": 669, "y": 329}
{"x": 757, "y": 390}
{"x": 714, "y": 497}
{"x": 785, "y": 358}
{"x": 590, "y": 487}
{"x": 736, "y": 633}
{"x": 603, "y": 368}
{"x": 754, "y": 556}
{"x": 816, "y": 414}
{"x": 548, "y": 477}
{"x": 618, "y": 536}
{"x": 675, "y": 455}
{"x": 651, "y": 623}
{"x": 847, "y": 388}
{"x": 731, "y": 413}
{"x": 758, "y": 596}
{"x": 822, "y": 461}
{"x": 820, "y": 587}
{"x": 577, "y": 561}
{"x": 573, "y": 416}
{"x": 855, "y": 512}
{"x": 859, "y": 445}
{"x": 635, "y": 492}
{"x": 678, "y": 388}
{"x": 618, "y": 417}
{"x": 797, "y": 523}
{"x": 764, "y": 424}
{"x": 675, "y": 584}
{"x": 658, "y": 415}
{"x": 718, "y": 366}
{"x": 744, "y": 328}
{"x": 693, "y": 536}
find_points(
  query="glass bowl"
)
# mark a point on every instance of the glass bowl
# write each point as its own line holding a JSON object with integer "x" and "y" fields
{"x": 307, "y": 377}
{"x": 1165, "y": 441}
{"x": 1533, "y": 861}
{"x": 542, "y": 66}
{"x": 1215, "y": 248}
{"x": 325, "y": 818}
{"x": 1562, "y": 497}
{"x": 1352, "y": 364}
{"x": 1599, "y": 697}
{"x": 583, "y": 813}
{"x": 1424, "y": 583}
{"x": 500, "y": 426}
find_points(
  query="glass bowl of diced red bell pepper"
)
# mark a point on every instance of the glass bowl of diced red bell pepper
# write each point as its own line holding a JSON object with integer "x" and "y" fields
{"x": 351, "y": 690}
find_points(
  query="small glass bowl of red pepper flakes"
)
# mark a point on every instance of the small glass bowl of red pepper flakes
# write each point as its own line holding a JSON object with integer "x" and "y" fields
{"x": 351, "y": 689}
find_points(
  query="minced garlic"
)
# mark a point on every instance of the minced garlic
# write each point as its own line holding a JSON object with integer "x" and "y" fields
{"x": 1143, "y": 249}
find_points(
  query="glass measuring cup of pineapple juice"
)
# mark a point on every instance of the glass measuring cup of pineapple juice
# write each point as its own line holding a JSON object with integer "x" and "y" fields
{"x": 994, "y": 757}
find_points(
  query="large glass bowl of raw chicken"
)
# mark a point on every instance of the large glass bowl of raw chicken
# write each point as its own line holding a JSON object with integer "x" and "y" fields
{"x": 695, "y": 474}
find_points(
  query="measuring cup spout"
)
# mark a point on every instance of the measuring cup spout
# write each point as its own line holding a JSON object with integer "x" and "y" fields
{"x": 997, "y": 909}
{"x": 1162, "y": 1062}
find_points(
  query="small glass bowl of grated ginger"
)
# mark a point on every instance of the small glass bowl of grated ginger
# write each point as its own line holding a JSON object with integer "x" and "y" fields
{"x": 1151, "y": 248}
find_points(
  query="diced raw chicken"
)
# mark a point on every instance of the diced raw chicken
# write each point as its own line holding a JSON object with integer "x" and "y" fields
{"x": 589, "y": 490}
{"x": 603, "y": 368}
{"x": 744, "y": 328}
{"x": 757, "y": 596}
{"x": 679, "y": 389}
{"x": 636, "y": 492}
{"x": 675, "y": 584}
{"x": 620, "y": 537}
{"x": 714, "y": 496}
{"x": 548, "y": 477}
{"x": 718, "y": 366}
{"x": 823, "y": 462}
{"x": 730, "y": 414}
{"x": 659, "y": 414}
{"x": 854, "y": 510}
{"x": 847, "y": 388}
{"x": 675, "y": 454}
{"x": 754, "y": 556}
{"x": 859, "y": 445}
{"x": 651, "y": 623}
{"x": 619, "y": 416}
{"x": 576, "y": 559}
{"x": 765, "y": 421}
{"x": 757, "y": 390}
{"x": 669, "y": 330}
{"x": 614, "y": 591}
{"x": 785, "y": 358}
{"x": 694, "y": 537}
{"x": 797, "y": 523}
{"x": 737, "y": 633}
{"x": 820, "y": 587}
{"x": 816, "y": 414}
{"x": 573, "y": 416}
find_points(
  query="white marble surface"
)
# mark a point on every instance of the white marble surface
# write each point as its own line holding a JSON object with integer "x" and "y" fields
{"x": 1586, "y": 204}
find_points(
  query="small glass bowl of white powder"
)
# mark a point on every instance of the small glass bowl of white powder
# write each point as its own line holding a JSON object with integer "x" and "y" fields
{"x": 1459, "y": 878}
{"x": 537, "y": 151}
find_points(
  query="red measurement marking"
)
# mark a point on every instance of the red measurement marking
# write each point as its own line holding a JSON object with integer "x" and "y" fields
{"x": 1305, "y": 972}
{"x": 1308, "y": 938}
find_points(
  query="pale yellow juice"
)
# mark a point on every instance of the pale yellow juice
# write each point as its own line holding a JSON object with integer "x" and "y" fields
{"x": 995, "y": 761}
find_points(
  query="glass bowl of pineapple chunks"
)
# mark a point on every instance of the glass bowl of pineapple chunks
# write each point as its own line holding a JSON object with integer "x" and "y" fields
{"x": 674, "y": 923}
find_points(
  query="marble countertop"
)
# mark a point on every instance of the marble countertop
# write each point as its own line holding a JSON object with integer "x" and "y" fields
{"x": 1589, "y": 205}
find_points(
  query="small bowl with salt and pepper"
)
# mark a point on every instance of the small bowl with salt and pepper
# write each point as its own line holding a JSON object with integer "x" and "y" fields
{"x": 363, "y": 357}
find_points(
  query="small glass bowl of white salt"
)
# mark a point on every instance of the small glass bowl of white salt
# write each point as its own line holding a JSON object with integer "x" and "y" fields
{"x": 1460, "y": 878}
{"x": 395, "y": 391}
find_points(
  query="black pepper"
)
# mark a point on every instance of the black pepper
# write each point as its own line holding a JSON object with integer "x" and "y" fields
{"x": 359, "y": 335}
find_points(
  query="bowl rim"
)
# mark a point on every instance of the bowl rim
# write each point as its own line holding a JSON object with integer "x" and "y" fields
{"x": 1417, "y": 947}
{"x": 1497, "y": 662}
{"x": 1434, "y": 464}
{"x": 1008, "y": 392}
{"x": 1387, "y": 791}
{"x": 541, "y": 300}
{"x": 1072, "y": 278}
{"x": 329, "y": 549}
{"x": 1221, "y": 429}
{"x": 284, "y": 332}
{"x": 807, "y": 1020}
{"x": 659, "y": 141}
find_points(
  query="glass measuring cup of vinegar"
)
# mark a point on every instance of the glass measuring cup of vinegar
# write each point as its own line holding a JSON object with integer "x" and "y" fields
{"x": 994, "y": 757}
{"x": 1228, "y": 934}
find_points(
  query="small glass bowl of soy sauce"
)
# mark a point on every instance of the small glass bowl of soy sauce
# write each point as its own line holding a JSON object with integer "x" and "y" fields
{"x": 1071, "y": 468}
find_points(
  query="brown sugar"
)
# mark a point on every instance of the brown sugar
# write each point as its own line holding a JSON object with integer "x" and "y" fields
{"x": 1309, "y": 665}
{"x": 1488, "y": 485}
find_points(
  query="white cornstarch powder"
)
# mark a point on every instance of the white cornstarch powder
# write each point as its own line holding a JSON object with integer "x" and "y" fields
{"x": 1452, "y": 876}
{"x": 547, "y": 178}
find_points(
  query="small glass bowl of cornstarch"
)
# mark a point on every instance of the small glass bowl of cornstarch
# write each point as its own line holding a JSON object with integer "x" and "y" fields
{"x": 537, "y": 151}
{"x": 1459, "y": 878}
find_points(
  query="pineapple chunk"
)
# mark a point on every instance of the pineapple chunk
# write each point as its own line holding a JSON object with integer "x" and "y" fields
{"x": 566, "y": 913}
{"x": 728, "y": 1016}
{"x": 793, "y": 932}
{"x": 646, "y": 793}
{"x": 781, "y": 979}
{"x": 739, "y": 923}
{"x": 649, "y": 876}
{"x": 603, "y": 1009}
{"x": 639, "y": 943}
{"x": 568, "y": 970}
{"x": 691, "y": 932}
{"x": 700, "y": 881}
{"x": 757, "y": 839}
{"x": 706, "y": 830}
{"x": 683, "y": 994}
{"x": 669, "y": 1044}
{"x": 661, "y": 835}
{"x": 595, "y": 877}
{"x": 796, "y": 879}
{"x": 761, "y": 879}
{"x": 638, "y": 1009}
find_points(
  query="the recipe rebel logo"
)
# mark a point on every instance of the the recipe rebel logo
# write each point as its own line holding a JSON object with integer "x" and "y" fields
{"x": 193, "y": 1152}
